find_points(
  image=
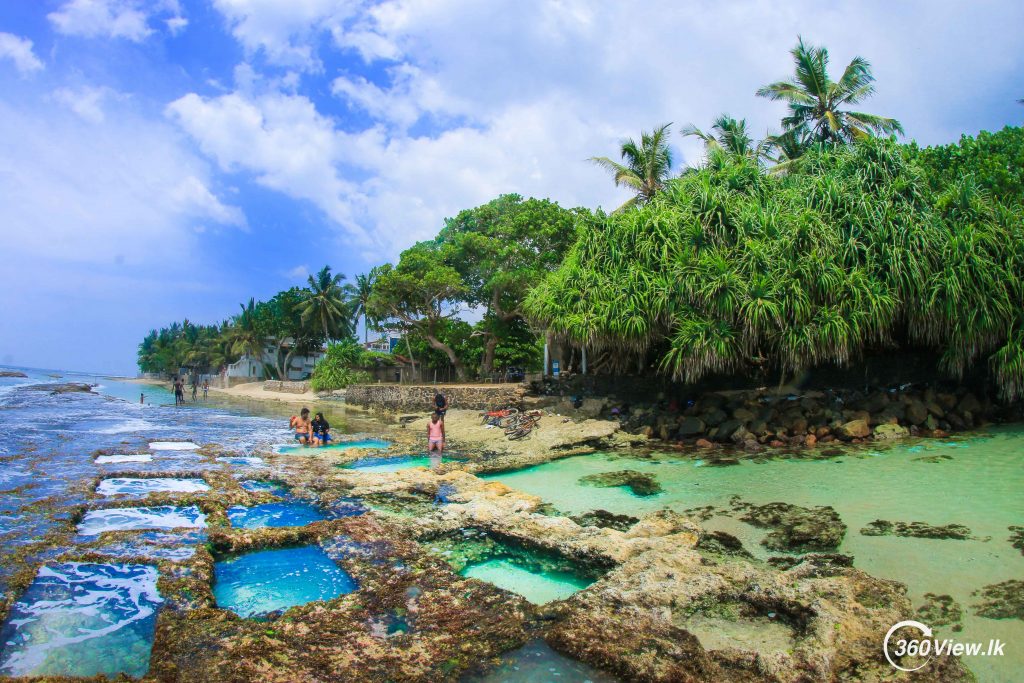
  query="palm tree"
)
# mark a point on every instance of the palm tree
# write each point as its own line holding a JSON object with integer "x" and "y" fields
{"x": 785, "y": 148}
{"x": 360, "y": 295}
{"x": 728, "y": 135}
{"x": 324, "y": 304}
{"x": 247, "y": 336}
{"x": 647, "y": 165}
{"x": 817, "y": 103}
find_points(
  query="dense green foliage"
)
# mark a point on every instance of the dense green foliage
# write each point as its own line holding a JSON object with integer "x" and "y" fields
{"x": 731, "y": 269}
{"x": 340, "y": 367}
{"x": 994, "y": 160}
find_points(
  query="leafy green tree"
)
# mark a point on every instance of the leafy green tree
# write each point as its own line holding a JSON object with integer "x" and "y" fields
{"x": 420, "y": 293}
{"x": 360, "y": 297}
{"x": 733, "y": 270}
{"x": 249, "y": 333}
{"x": 995, "y": 160}
{"x": 501, "y": 249}
{"x": 293, "y": 334}
{"x": 336, "y": 369}
{"x": 647, "y": 165}
{"x": 325, "y": 305}
{"x": 819, "y": 106}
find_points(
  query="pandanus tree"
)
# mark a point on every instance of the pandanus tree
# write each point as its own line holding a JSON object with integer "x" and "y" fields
{"x": 820, "y": 106}
{"x": 733, "y": 270}
{"x": 646, "y": 165}
{"x": 325, "y": 305}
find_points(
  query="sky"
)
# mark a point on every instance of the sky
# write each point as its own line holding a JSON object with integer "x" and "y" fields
{"x": 169, "y": 159}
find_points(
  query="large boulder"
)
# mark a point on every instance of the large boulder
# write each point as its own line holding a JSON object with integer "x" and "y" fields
{"x": 691, "y": 426}
{"x": 714, "y": 417}
{"x": 969, "y": 404}
{"x": 854, "y": 429}
{"x": 916, "y": 412}
{"x": 743, "y": 414}
{"x": 727, "y": 429}
{"x": 890, "y": 432}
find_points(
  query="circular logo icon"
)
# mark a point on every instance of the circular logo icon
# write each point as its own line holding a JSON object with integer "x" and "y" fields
{"x": 909, "y": 647}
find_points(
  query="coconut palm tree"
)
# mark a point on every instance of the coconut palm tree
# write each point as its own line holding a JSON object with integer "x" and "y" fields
{"x": 818, "y": 105}
{"x": 324, "y": 304}
{"x": 360, "y": 295}
{"x": 727, "y": 134}
{"x": 647, "y": 165}
{"x": 247, "y": 334}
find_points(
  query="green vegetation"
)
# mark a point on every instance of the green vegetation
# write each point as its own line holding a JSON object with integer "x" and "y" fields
{"x": 818, "y": 245}
{"x": 339, "y": 367}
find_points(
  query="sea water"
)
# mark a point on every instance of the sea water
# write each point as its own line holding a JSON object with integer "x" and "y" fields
{"x": 138, "y": 518}
{"x": 376, "y": 444}
{"x": 976, "y": 481}
{"x": 291, "y": 513}
{"x": 536, "y": 662}
{"x": 141, "y": 486}
{"x": 265, "y": 581}
{"x": 82, "y": 619}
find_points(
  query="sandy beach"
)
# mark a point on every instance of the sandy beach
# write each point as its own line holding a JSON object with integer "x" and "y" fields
{"x": 255, "y": 391}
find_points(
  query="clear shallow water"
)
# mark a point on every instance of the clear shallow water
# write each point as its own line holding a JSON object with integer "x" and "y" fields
{"x": 537, "y": 587}
{"x": 269, "y": 580}
{"x": 334, "y": 447}
{"x": 134, "y": 486}
{"x": 274, "y": 515}
{"x": 536, "y": 662}
{"x": 130, "y": 519}
{"x": 83, "y": 619}
{"x": 977, "y": 482}
{"x": 392, "y": 464}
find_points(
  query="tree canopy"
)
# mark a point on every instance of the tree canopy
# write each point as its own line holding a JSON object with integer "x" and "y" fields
{"x": 730, "y": 269}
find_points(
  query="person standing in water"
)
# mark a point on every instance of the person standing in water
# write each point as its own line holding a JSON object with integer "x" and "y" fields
{"x": 206, "y": 388}
{"x": 435, "y": 434}
{"x": 142, "y": 399}
{"x": 179, "y": 391}
{"x": 195, "y": 391}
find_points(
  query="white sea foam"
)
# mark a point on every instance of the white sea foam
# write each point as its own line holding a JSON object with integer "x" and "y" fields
{"x": 128, "y": 457}
{"x": 173, "y": 446}
{"x": 129, "y": 425}
{"x": 72, "y": 603}
{"x": 137, "y": 486}
{"x": 129, "y": 519}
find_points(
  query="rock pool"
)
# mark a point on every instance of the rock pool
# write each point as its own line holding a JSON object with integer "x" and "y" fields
{"x": 536, "y": 662}
{"x": 976, "y": 482}
{"x": 134, "y": 486}
{"x": 131, "y": 519}
{"x": 265, "y": 581}
{"x": 291, "y": 513}
{"x": 377, "y": 444}
{"x": 82, "y": 619}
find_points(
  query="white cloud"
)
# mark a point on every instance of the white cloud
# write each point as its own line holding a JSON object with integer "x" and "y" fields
{"x": 123, "y": 190}
{"x": 300, "y": 272}
{"x": 128, "y": 19}
{"x": 477, "y": 99}
{"x": 284, "y": 31}
{"x": 86, "y": 101}
{"x": 279, "y": 138}
{"x": 19, "y": 51}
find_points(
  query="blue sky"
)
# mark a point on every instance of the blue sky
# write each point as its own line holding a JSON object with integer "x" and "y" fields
{"x": 163, "y": 159}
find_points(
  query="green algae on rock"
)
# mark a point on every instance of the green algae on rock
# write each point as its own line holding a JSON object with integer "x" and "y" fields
{"x": 1017, "y": 538}
{"x": 881, "y": 527}
{"x": 795, "y": 528}
{"x": 941, "y": 610}
{"x": 1001, "y": 600}
{"x": 605, "y": 520}
{"x": 639, "y": 483}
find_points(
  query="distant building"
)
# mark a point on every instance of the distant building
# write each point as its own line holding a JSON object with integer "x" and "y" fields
{"x": 385, "y": 343}
{"x": 299, "y": 367}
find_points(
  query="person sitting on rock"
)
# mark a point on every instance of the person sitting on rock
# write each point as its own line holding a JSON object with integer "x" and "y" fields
{"x": 321, "y": 430}
{"x": 303, "y": 428}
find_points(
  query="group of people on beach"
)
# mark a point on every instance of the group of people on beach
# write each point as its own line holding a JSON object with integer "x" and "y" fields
{"x": 179, "y": 390}
{"x": 314, "y": 433}
{"x": 317, "y": 432}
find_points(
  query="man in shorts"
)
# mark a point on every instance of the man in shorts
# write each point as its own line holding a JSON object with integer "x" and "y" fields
{"x": 303, "y": 428}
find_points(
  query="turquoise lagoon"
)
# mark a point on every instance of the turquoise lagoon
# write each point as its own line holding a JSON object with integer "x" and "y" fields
{"x": 376, "y": 444}
{"x": 260, "y": 582}
{"x": 976, "y": 481}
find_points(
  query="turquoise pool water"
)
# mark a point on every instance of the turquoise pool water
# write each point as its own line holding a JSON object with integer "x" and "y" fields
{"x": 977, "y": 482}
{"x": 274, "y": 515}
{"x": 266, "y": 581}
{"x": 334, "y": 447}
{"x": 537, "y": 587}
{"x": 392, "y": 464}
{"x": 82, "y": 619}
{"x": 536, "y": 662}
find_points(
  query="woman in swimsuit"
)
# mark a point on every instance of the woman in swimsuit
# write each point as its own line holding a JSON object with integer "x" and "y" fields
{"x": 435, "y": 434}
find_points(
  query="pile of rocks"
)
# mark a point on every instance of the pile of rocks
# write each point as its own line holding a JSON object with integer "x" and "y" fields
{"x": 754, "y": 419}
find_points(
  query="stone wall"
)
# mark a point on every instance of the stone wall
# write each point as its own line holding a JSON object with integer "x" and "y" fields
{"x": 420, "y": 398}
{"x": 286, "y": 387}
